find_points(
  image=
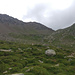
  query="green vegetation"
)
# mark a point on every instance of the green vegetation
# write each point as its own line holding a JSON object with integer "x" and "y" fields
{"x": 28, "y": 38}
{"x": 31, "y": 60}
{"x": 64, "y": 38}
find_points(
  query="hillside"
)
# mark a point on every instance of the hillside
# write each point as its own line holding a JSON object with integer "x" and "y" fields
{"x": 24, "y": 59}
{"x": 12, "y": 29}
{"x": 64, "y": 38}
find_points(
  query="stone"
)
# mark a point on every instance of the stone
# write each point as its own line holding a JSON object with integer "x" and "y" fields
{"x": 18, "y": 74}
{"x": 69, "y": 59}
{"x": 5, "y": 71}
{"x": 10, "y": 68}
{"x": 57, "y": 65}
{"x": 50, "y": 52}
{"x": 6, "y": 50}
{"x": 27, "y": 70}
{"x": 40, "y": 61}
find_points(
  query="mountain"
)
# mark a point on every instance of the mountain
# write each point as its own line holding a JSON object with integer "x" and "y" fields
{"x": 64, "y": 38}
{"x": 14, "y": 29}
{"x": 38, "y": 50}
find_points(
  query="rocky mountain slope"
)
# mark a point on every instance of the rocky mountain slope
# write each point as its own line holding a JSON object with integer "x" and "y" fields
{"x": 64, "y": 37}
{"x": 8, "y": 23}
{"x": 14, "y": 29}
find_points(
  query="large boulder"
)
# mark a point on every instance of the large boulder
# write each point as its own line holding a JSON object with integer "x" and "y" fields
{"x": 50, "y": 52}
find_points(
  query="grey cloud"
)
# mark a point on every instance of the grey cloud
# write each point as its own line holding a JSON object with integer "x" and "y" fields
{"x": 62, "y": 19}
{"x": 55, "y": 19}
{"x": 37, "y": 12}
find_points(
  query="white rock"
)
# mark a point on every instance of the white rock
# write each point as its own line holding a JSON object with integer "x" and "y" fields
{"x": 18, "y": 74}
{"x": 5, "y": 71}
{"x": 57, "y": 65}
{"x": 40, "y": 61}
{"x": 10, "y": 68}
{"x": 27, "y": 70}
{"x": 50, "y": 52}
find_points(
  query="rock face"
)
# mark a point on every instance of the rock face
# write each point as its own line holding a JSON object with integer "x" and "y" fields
{"x": 50, "y": 52}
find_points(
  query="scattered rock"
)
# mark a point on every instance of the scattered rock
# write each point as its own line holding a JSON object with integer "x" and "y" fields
{"x": 50, "y": 52}
{"x": 73, "y": 54}
{"x": 57, "y": 65}
{"x": 40, "y": 61}
{"x": 6, "y": 50}
{"x": 27, "y": 70}
{"x": 29, "y": 48}
{"x": 69, "y": 59}
{"x": 70, "y": 56}
{"x": 10, "y": 68}
{"x": 17, "y": 74}
{"x": 65, "y": 56}
{"x": 39, "y": 49}
{"x": 5, "y": 71}
{"x": 25, "y": 58}
{"x": 19, "y": 48}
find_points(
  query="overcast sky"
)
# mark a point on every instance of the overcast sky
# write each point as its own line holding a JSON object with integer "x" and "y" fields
{"x": 56, "y": 14}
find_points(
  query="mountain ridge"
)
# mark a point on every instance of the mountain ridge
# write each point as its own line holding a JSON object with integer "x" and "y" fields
{"x": 12, "y": 28}
{"x": 29, "y": 32}
{"x": 10, "y": 21}
{"x": 64, "y": 37}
